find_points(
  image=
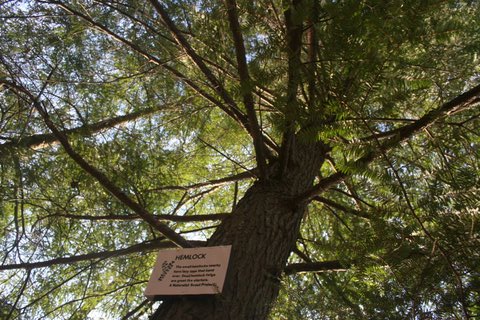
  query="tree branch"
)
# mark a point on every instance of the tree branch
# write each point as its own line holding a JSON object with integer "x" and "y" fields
{"x": 343, "y": 208}
{"x": 198, "y": 61}
{"x": 323, "y": 266}
{"x": 246, "y": 87}
{"x": 457, "y": 104}
{"x": 294, "y": 32}
{"x": 168, "y": 217}
{"x": 38, "y": 141}
{"x": 97, "y": 174}
{"x": 20, "y": 294}
{"x": 141, "y": 247}
{"x": 138, "y": 308}
{"x": 453, "y": 106}
{"x": 233, "y": 112}
{"x": 250, "y": 173}
{"x": 312, "y": 54}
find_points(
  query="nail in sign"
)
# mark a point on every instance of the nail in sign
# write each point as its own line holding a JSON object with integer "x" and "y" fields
{"x": 191, "y": 271}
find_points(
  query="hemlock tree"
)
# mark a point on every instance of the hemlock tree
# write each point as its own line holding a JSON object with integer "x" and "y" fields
{"x": 333, "y": 144}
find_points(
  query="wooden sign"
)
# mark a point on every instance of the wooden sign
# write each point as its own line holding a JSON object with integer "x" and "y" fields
{"x": 191, "y": 271}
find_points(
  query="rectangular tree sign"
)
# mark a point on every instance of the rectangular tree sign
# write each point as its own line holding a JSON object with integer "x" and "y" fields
{"x": 189, "y": 271}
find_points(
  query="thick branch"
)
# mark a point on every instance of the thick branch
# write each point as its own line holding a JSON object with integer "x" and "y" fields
{"x": 246, "y": 86}
{"x": 294, "y": 30}
{"x": 460, "y": 103}
{"x": 453, "y": 106}
{"x": 38, "y": 141}
{"x": 312, "y": 55}
{"x": 141, "y": 247}
{"x": 323, "y": 266}
{"x": 168, "y": 217}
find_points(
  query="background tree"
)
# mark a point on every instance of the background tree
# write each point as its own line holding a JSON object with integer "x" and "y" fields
{"x": 333, "y": 144}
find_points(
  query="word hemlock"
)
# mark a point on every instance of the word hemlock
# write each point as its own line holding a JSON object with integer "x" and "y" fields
{"x": 190, "y": 256}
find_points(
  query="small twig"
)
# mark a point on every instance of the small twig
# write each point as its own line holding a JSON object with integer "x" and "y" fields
{"x": 132, "y": 312}
{"x": 22, "y": 289}
{"x": 227, "y": 157}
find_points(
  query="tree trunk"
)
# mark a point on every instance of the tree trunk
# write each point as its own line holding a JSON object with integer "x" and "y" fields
{"x": 262, "y": 230}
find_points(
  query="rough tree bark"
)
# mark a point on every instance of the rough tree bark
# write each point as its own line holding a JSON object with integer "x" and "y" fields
{"x": 262, "y": 230}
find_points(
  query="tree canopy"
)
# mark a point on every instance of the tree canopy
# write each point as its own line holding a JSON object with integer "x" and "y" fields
{"x": 129, "y": 126}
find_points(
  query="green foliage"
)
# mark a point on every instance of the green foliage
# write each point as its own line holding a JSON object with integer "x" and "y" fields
{"x": 406, "y": 225}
